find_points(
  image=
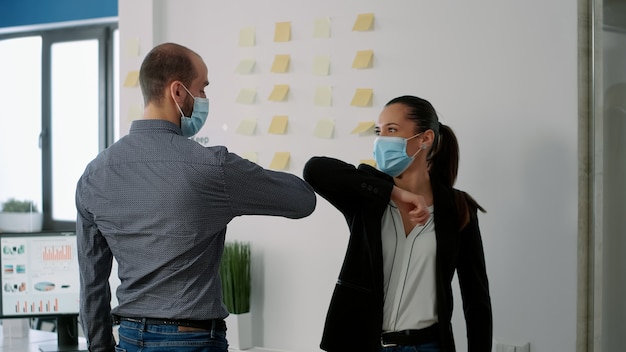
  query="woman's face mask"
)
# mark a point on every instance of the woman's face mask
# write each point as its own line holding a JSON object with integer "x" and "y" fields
{"x": 192, "y": 124}
{"x": 390, "y": 154}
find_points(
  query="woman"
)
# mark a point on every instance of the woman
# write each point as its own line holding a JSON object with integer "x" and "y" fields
{"x": 409, "y": 231}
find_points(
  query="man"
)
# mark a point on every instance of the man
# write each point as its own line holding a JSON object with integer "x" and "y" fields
{"x": 159, "y": 204}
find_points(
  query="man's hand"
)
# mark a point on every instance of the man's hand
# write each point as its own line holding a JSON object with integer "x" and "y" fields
{"x": 414, "y": 204}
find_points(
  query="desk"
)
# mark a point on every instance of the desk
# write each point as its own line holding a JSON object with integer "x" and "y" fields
{"x": 31, "y": 343}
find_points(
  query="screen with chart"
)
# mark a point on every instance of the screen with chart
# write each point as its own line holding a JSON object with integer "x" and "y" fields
{"x": 39, "y": 274}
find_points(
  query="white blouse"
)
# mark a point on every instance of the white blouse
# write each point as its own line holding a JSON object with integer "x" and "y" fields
{"x": 409, "y": 271}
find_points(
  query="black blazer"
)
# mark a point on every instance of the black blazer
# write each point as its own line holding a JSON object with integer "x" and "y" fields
{"x": 354, "y": 318}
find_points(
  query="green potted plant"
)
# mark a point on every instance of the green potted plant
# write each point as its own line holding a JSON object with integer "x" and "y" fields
{"x": 20, "y": 216}
{"x": 236, "y": 289}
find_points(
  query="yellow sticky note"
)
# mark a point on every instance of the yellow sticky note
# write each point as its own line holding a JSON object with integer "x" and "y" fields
{"x": 324, "y": 128}
{"x": 363, "y": 127}
{"x": 282, "y": 33}
{"x": 278, "y": 125}
{"x": 363, "y": 22}
{"x": 132, "y": 79}
{"x": 134, "y": 112}
{"x": 322, "y": 28}
{"x": 279, "y": 93}
{"x": 323, "y": 96}
{"x": 321, "y": 65}
{"x": 370, "y": 162}
{"x": 363, "y": 59}
{"x": 252, "y": 156}
{"x": 280, "y": 161}
{"x": 246, "y": 36}
{"x": 247, "y": 127}
{"x": 132, "y": 47}
{"x": 246, "y": 96}
{"x": 245, "y": 66}
{"x": 281, "y": 63}
{"x": 362, "y": 97}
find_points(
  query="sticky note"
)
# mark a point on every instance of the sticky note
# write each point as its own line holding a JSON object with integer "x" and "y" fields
{"x": 324, "y": 128}
{"x": 364, "y": 127}
{"x": 370, "y": 162}
{"x": 362, "y": 97}
{"x": 132, "y": 79}
{"x": 245, "y": 66}
{"x": 252, "y": 156}
{"x": 321, "y": 65}
{"x": 132, "y": 47}
{"x": 278, "y": 125}
{"x": 363, "y": 22}
{"x": 323, "y": 96}
{"x": 134, "y": 112}
{"x": 282, "y": 33}
{"x": 246, "y": 96}
{"x": 280, "y": 161}
{"x": 246, "y": 36}
{"x": 281, "y": 64}
{"x": 247, "y": 127}
{"x": 363, "y": 59}
{"x": 279, "y": 93}
{"x": 322, "y": 28}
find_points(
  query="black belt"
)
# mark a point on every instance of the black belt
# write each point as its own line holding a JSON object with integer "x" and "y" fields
{"x": 213, "y": 324}
{"x": 410, "y": 337}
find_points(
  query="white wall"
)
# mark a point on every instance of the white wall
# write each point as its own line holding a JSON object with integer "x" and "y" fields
{"x": 502, "y": 74}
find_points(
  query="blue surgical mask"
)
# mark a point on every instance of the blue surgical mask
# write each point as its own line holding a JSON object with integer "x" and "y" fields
{"x": 192, "y": 124}
{"x": 390, "y": 154}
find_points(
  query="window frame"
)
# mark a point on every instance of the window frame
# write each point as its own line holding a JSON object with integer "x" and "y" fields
{"x": 104, "y": 33}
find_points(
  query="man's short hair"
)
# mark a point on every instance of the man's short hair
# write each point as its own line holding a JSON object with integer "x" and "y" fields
{"x": 165, "y": 63}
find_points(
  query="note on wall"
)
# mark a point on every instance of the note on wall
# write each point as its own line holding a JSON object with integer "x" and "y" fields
{"x": 323, "y": 96}
{"x": 134, "y": 112}
{"x": 245, "y": 66}
{"x": 322, "y": 28}
{"x": 279, "y": 93}
{"x": 362, "y": 97}
{"x": 278, "y": 125}
{"x": 132, "y": 79}
{"x": 282, "y": 32}
{"x": 364, "y": 22}
{"x": 280, "y": 161}
{"x": 247, "y": 127}
{"x": 247, "y": 36}
{"x": 363, "y": 59}
{"x": 321, "y": 65}
{"x": 324, "y": 128}
{"x": 252, "y": 156}
{"x": 281, "y": 64}
{"x": 370, "y": 162}
{"x": 366, "y": 127}
{"x": 246, "y": 96}
{"x": 132, "y": 47}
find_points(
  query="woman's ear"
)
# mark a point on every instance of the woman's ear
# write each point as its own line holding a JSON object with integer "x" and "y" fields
{"x": 428, "y": 139}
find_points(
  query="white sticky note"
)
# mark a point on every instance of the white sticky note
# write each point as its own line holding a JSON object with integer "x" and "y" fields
{"x": 246, "y": 96}
{"x": 321, "y": 65}
{"x": 323, "y": 96}
{"x": 247, "y": 127}
{"x": 245, "y": 67}
{"x": 322, "y": 28}
{"x": 324, "y": 128}
{"x": 246, "y": 36}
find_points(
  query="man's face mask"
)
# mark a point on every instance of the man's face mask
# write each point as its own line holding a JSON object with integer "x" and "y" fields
{"x": 190, "y": 125}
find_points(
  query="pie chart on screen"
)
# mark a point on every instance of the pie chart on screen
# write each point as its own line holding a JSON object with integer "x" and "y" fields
{"x": 44, "y": 286}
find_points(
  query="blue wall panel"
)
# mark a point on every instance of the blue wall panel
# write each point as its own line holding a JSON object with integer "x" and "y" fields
{"x": 31, "y": 12}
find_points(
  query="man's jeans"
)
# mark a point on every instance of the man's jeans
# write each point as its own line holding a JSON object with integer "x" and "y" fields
{"x": 139, "y": 337}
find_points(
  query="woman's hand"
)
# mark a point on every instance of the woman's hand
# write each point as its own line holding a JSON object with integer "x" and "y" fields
{"x": 414, "y": 204}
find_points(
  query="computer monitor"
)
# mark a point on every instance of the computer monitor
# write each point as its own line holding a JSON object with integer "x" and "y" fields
{"x": 40, "y": 278}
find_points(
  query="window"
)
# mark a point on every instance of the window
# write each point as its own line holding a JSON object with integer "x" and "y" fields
{"x": 59, "y": 99}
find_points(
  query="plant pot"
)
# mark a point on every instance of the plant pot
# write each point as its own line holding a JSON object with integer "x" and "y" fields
{"x": 21, "y": 222}
{"x": 239, "y": 331}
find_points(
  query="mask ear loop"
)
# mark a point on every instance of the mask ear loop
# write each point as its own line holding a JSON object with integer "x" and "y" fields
{"x": 182, "y": 115}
